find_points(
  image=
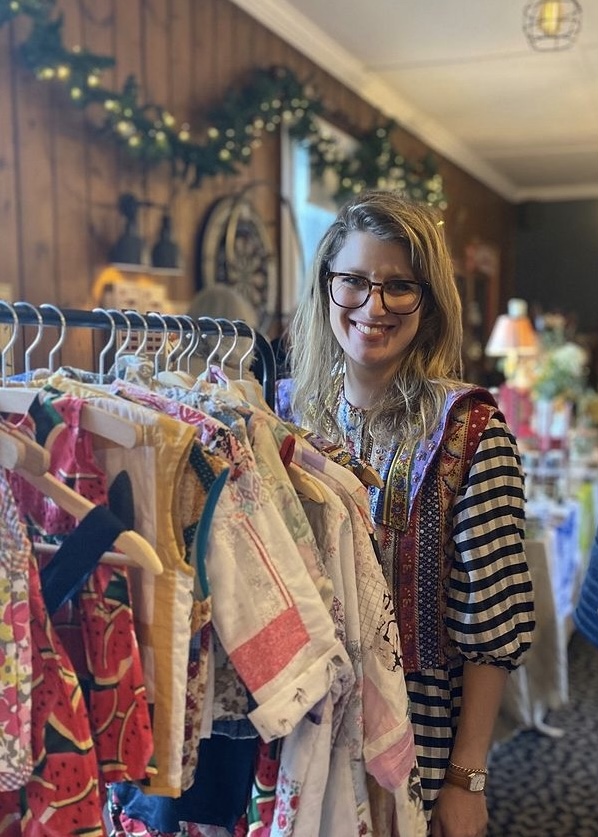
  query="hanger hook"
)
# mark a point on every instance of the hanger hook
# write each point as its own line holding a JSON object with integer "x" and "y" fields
{"x": 141, "y": 348}
{"x": 61, "y": 336}
{"x": 12, "y": 338}
{"x": 109, "y": 344}
{"x": 214, "y": 351}
{"x": 249, "y": 351}
{"x": 162, "y": 347}
{"x": 122, "y": 348}
{"x": 179, "y": 342}
{"x": 38, "y": 336}
{"x": 194, "y": 338}
{"x": 179, "y": 320}
{"x": 229, "y": 352}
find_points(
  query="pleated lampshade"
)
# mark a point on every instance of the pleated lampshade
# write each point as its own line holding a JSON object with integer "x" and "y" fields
{"x": 513, "y": 332}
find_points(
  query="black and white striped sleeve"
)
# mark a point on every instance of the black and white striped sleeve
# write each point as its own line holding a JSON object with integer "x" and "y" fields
{"x": 490, "y": 611}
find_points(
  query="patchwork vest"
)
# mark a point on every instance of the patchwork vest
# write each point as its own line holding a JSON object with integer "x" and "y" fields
{"x": 414, "y": 515}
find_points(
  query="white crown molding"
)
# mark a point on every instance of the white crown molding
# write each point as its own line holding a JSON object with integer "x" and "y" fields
{"x": 294, "y": 28}
{"x": 584, "y": 191}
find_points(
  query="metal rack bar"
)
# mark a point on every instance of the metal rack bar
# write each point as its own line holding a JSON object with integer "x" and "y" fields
{"x": 77, "y": 318}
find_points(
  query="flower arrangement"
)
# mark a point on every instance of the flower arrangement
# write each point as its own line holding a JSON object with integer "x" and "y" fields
{"x": 561, "y": 369}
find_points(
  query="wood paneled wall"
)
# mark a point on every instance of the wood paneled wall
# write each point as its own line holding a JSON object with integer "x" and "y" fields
{"x": 59, "y": 182}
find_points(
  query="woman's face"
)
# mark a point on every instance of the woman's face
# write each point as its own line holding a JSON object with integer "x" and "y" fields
{"x": 372, "y": 339}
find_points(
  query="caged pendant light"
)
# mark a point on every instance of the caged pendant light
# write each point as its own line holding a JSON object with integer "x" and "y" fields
{"x": 552, "y": 24}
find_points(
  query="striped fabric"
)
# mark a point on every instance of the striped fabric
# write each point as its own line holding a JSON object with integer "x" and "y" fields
{"x": 489, "y": 614}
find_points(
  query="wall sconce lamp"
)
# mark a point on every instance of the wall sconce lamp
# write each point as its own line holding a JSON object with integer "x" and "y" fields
{"x": 513, "y": 338}
{"x": 131, "y": 249}
{"x": 552, "y": 24}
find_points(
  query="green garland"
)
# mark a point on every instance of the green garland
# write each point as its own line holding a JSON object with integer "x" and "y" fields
{"x": 234, "y": 129}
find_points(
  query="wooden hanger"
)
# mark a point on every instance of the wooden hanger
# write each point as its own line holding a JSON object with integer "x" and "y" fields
{"x": 16, "y": 450}
{"x": 134, "y": 546}
{"x": 369, "y": 476}
{"x": 96, "y": 420}
{"x": 18, "y": 453}
{"x": 116, "y": 558}
{"x": 305, "y": 484}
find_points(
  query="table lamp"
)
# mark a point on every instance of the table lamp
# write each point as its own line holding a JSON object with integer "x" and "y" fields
{"x": 513, "y": 337}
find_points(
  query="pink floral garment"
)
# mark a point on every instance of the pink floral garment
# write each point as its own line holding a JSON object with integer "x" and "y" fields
{"x": 15, "y": 646}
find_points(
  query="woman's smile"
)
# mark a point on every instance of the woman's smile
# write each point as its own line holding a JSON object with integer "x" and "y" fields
{"x": 372, "y": 338}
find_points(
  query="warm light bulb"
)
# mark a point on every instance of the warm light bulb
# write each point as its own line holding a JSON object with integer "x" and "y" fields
{"x": 549, "y": 18}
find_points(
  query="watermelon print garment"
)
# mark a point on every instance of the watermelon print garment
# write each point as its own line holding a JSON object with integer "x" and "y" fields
{"x": 97, "y": 630}
{"x": 62, "y": 797}
{"x": 96, "y": 626}
{"x": 260, "y": 812}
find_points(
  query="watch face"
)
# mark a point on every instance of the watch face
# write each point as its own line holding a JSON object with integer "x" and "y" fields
{"x": 477, "y": 781}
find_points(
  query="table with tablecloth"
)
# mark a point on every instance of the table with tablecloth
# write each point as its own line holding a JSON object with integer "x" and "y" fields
{"x": 558, "y": 541}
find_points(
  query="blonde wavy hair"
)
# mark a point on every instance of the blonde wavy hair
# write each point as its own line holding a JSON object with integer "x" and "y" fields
{"x": 431, "y": 366}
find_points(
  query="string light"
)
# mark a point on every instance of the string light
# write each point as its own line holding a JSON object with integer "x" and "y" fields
{"x": 267, "y": 99}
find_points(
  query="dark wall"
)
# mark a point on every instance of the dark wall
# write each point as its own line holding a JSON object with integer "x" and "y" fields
{"x": 556, "y": 260}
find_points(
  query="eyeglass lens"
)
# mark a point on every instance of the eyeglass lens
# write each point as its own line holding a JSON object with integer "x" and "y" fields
{"x": 399, "y": 296}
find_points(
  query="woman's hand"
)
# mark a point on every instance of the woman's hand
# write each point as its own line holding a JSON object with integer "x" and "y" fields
{"x": 459, "y": 813}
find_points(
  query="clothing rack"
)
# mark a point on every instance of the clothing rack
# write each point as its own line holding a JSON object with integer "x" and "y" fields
{"x": 77, "y": 318}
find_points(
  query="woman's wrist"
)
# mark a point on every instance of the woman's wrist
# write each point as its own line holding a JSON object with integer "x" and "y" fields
{"x": 472, "y": 779}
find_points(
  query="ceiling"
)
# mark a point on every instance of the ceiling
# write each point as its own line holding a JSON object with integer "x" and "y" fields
{"x": 461, "y": 75}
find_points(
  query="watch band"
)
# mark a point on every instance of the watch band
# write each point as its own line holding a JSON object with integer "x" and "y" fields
{"x": 471, "y": 778}
{"x": 460, "y": 769}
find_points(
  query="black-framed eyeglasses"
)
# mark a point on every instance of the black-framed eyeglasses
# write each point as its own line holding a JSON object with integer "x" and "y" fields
{"x": 399, "y": 296}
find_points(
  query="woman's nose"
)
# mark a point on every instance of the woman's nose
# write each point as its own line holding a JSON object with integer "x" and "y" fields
{"x": 375, "y": 302}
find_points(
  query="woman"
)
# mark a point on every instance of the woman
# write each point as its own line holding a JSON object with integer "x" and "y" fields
{"x": 375, "y": 363}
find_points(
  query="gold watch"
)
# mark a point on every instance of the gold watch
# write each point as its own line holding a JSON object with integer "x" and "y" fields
{"x": 471, "y": 778}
